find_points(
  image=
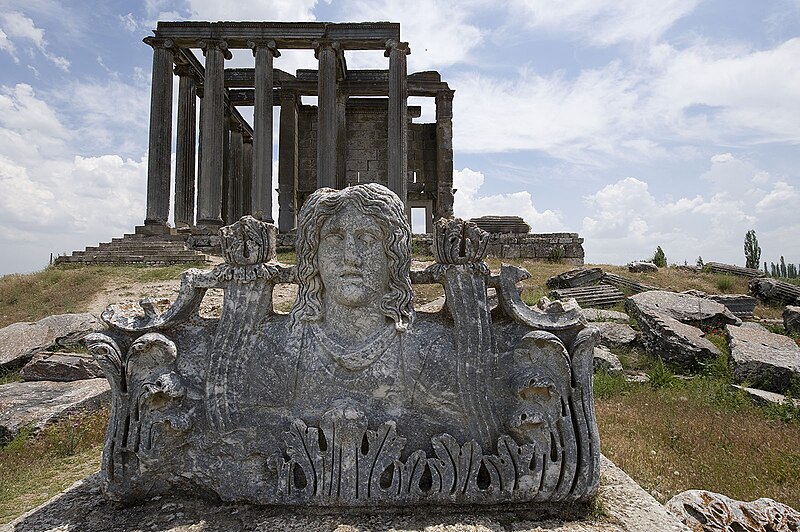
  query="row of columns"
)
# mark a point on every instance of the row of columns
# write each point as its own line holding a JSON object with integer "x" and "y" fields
{"x": 225, "y": 153}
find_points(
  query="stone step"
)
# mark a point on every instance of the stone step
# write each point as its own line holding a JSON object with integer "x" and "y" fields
{"x": 156, "y": 261}
{"x": 601, "y": 295}
{"x": 732, "y": 269}
{"x": 625, "y": 283}
{"x": 141, "y": 252}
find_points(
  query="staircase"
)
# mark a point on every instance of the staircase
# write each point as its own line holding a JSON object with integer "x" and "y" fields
{"x": 151, "y": 250}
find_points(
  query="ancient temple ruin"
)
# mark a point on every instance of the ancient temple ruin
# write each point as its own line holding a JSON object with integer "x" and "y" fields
{"x": 360, "y": 131}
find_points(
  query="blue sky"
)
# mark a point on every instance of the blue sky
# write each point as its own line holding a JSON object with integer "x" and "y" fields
{"x": 636, "y": 124}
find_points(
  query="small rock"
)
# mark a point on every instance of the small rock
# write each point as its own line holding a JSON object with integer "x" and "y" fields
{"x": 615, "y": 334}
{"x": 707, "y": 511}
{"x": 642, "y": 267}
{"x": 762, "y": 358}
{"x": 605, "y": 360}
{"x": 765, "y": 397}
{"x": 791, "y": 319}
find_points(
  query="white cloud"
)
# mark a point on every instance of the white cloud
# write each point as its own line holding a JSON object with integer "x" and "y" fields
{"x": 52, "y": 199}
{"x": 722, "y": 158}
{"x": 438, "y": 32}
{"x": 602, "y": 22}
{"x": 469, "y": 204}
{"x": 7, "y": 46}
{"x": 18, "y": 26}
{"x": 783, "y": 196}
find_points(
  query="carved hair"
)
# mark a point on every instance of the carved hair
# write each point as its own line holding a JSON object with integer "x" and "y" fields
{"x": 385, "y": 207}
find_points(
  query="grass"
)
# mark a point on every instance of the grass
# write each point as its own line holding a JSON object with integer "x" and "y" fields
{"x": 35, "y": 468}
{"x": 698, "y": 434}
{"x": 67, "y": 289}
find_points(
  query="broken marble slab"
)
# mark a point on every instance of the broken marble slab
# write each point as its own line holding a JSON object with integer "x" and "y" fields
{"x": 37, "y": 404}
{"x": 685, "y": 308}
{"x": 706, "y": 511}
{"x": 19, "y": 341}
{"x": 791, "y": 319}
{"x": 763, "y": 359}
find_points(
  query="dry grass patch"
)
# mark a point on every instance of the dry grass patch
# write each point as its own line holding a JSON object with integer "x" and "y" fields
{"x": 698, "y": 434}
{"x": 61, "y": 290}
{"x": 36, "y": 468}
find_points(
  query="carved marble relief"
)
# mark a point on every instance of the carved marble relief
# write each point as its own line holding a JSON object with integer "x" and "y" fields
{"x": 352, "y": 399}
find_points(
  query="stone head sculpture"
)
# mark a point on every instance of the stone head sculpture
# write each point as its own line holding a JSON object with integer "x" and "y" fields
{"x": 354, "y": 249}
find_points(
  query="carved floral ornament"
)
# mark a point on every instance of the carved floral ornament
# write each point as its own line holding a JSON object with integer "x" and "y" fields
{"x": 353, "y": 398}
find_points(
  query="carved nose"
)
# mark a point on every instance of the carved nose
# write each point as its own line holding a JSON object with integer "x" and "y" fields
{"x": 351, "y": 252}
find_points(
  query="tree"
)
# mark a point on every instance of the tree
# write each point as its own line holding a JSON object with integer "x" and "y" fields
{"x": 783, "y": 267}
{"x": 700, "y": 262}
{"x": 752, "y": 251}
{"x": 660, "y": 259}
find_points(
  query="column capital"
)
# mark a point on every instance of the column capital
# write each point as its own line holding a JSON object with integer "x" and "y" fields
{"x": 321, "y": 44}
{"x": 218, "y": 44}
{"x": 158, "y": 42}
{"x": 395, "y": 46}
{"x": 269, "y": 45}
{"x": 235, "y": 125}
{"x": 247, "y": 139}
{"x": 184, "y": 70}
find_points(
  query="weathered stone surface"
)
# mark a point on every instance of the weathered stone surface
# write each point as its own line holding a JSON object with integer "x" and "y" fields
{"x": 353, "y": 399}
{"x": 62, "y": 367}
{"x": 682, "y": 346}
{"x": 791, "y": 319}
{"x": 600, "y": 295}
{"x": 597, "y": 314}
{"x": 39, "y": 403}
{"x": 623, "y": 283}
{"x": 775, "y": 291}
{"x": 19, "y": 341}
{"x": 706, "y": 511}
{"x": 605, "y": 360}
{"x": 732, "y": 269}
{"x": 615, "y": 334}
{"x": 685, "y": 308}
{"x": 763, "y": 359}
{"x": 741, "y": 305}
{"x": 627, "y": 508}
{"x": 502, "y": 224}
{"x": 642, "y": 267}
{"x": 575, "y": 278}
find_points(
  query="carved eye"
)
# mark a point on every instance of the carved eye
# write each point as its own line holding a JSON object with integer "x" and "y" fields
{"x": 333, "y": 237}
{"x": 368, "y": 238}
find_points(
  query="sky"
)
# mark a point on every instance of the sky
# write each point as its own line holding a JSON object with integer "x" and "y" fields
{"x": 635, "y": 124}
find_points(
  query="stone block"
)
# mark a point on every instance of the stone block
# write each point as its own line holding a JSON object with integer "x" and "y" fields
{"x": 19, "y": 341}
{"x": 605, "y": 360}
{"x": 763, "y": 359}
{"x": 791, "y": 319}
{"x": 706, "y": 510}
{"x": 61, "y": 367}
{"x": 37, "y": 404}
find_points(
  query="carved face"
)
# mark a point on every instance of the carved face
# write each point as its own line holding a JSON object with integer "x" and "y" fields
{"x": 352, "y": 262}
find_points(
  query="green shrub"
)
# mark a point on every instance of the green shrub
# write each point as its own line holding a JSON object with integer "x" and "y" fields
{"x": 659, "y": 258}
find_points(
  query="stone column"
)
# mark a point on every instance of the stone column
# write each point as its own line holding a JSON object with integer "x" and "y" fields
{"x": 185, "y": 147}
{"x": 326, "y": 52}
{"x": 261, "y": 193}
{"x": 209, "y": 194}
{"x": 287, "y": 163}
{"x": 341, "y": 141}
{"x": 247, "y": 176}
{"x": 160, "y": 141}
{"x": 235, "y": 181}
{"x": 227, "y": 215}
{"x": 397, "y": 149}
{"x": 444, "y": 155}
